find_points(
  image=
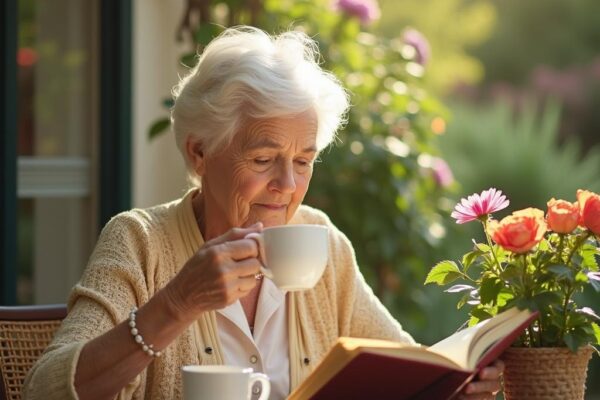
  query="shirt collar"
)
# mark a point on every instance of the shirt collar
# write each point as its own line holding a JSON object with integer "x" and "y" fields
{"x": 269, "y": 300}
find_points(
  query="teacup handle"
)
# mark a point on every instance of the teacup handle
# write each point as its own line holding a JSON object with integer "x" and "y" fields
{"x": 264, "y": 382}
{"x": 260, "y": 242}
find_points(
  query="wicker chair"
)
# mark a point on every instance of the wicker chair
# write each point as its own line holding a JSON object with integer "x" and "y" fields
{"x": 25, "y": 331}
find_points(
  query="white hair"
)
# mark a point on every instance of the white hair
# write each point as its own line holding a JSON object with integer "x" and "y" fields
{"x": 246, "y": 73}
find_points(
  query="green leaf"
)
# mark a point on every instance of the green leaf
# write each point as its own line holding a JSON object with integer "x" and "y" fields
{"x": 188, "y": 60}
{"x": 562, "y": 272}
{"x": 443, "y": 273}
{"x": 473, "y": 321}
{"x": 463, "y": 300}
{"x": 490, "y": 288}
{"x": 468, "y": 258}
{"x": 206, "y": 32}
{"x": 158, "y": 127}
{"x": 505, "y": 296}
{"x": 479, "y": 314}
{"x": 596, "y": 332}
{"x": 511, "y": 273}
{"x": 572, "y": 342}
{"x": 588, "y": 254}
{"x": 168, "y": 103}
{"x": 484, "y": 248}
{"x": 577, "y": 338}
{"x": 544, "y": 300}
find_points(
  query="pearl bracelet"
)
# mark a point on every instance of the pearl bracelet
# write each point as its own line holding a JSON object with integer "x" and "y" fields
{"x": 137, "y": 336}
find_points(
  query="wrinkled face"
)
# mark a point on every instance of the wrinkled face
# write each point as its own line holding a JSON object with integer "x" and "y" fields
{"x": 262, "y": 175}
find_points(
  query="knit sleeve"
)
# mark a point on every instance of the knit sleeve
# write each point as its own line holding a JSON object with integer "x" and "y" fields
{"x": 114, "y": 280}
{"x": 361, "y": 313}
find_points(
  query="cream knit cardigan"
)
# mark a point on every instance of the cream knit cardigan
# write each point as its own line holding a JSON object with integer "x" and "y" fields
{"x": 139, "y": 251}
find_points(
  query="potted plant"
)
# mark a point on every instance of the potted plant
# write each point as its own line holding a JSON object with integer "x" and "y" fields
{"x": 538, "y": 261}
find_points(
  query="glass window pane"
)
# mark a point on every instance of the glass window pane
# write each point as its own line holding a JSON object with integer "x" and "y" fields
{"x": 58, "y": 118}
{"x": 57, "y": 61}
{"x": 53, "y": 247}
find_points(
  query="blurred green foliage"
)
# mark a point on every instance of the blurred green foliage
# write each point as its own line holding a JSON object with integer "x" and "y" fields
{"x": 452, "y": 28}
{"x": 529, "y": 33}
{"x": 547, "y": 49}
{"x": 519, "y": 153}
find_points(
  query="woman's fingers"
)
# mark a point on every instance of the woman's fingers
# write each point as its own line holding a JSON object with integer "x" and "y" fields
{"x": 235, "y": 234}
{"x": 487, "y": 386}
{"x": 218, "y": 274}
{"x": 240, "y": 249}
{"x": 246, "y": 284}
{"x": 493, "y": 371}
{"x": 245, "y": 268}
{"x": 477, "y": 396}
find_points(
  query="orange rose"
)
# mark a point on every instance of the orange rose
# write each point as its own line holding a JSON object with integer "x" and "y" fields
{"x": 589, "y": 210}
{"x": 563, "y": 216}
{"x": 520, "y": 231}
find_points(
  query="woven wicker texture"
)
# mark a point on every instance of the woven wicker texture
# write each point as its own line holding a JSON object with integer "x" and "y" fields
{"x": 21, "y": 344}
{"x": 545, "y": 373}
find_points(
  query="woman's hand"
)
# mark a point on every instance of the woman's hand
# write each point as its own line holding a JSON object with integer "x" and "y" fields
{"x": 220, "y": 273}
{"x": 487, "y": 385}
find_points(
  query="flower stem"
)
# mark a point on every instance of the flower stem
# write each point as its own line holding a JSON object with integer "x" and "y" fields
{"x": 570, "y": 289}
{"x": 489, "y": 242}
{"x": 561, "y": 244}
{"x": 527, "y": 295}
{"x": 578, "y": 244}
{"x": 565, "y": 313}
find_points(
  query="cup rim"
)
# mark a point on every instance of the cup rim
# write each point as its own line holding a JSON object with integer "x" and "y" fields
{"x": 311, "y": 226}
{"x": 217, "y": 369}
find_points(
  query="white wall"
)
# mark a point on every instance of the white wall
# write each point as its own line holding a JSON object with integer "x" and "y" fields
{"x": 158, "y": 169}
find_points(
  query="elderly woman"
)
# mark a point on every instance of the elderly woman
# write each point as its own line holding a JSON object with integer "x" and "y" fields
{"x": 250, "y": 120}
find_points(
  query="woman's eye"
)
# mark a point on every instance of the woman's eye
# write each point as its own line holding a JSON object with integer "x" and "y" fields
{"x": 260, "y": 164}
{"x": 303, "y": 165}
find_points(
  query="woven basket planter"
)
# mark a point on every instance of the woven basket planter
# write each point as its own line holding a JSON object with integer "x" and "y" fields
{"x": 545, "y": 373}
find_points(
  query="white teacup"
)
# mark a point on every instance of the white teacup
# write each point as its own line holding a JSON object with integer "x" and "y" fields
{"x": 293, "y": 256}
{"x": 222, "y": 382}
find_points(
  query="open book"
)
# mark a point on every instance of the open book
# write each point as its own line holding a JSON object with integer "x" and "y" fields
{"x": 357, "y": 368}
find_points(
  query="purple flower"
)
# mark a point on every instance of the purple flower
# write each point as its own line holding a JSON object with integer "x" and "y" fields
{"x": 414, "y": 38}
{"x": 366, "y": 10}
{"x": 442, "y": 173}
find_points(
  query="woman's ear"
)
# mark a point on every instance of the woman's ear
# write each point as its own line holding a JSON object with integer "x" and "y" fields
{"x": 195, "y": 155}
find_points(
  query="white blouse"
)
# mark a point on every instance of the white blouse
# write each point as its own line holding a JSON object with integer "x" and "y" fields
{"x": 266, "y": 351}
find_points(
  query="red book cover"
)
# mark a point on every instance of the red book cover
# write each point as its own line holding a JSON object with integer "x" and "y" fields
{"x": 368, "y": 370}
{"x": 375, "y": 376}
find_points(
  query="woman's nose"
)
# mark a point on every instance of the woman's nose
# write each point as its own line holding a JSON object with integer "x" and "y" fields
{"x": 284, "y": 181}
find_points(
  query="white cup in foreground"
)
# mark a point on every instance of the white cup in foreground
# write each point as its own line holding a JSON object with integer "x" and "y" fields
{"x": 222, "y": 382}
{"x": 293, "y": 256}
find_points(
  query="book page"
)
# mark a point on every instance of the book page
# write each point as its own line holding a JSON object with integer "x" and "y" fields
{"x": 466, "y": 346}
{"x": 487, "y": 338}
{"x": 416, "y": 354}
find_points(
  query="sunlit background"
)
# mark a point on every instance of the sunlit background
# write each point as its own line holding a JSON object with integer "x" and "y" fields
{"x": 450, "y": 97}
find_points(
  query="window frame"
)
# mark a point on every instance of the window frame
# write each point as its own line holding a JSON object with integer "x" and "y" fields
{"x": 114, "y": 170}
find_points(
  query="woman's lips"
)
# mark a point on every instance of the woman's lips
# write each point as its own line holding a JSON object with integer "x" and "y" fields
{"x": 274, "y": 207}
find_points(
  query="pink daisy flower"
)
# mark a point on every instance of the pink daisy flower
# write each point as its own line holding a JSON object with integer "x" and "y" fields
{"x": 479, "y": 205}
